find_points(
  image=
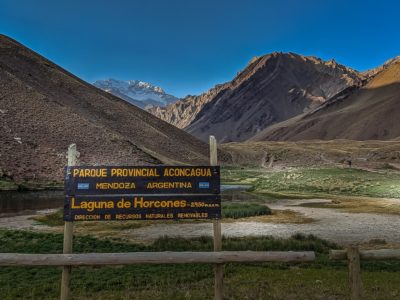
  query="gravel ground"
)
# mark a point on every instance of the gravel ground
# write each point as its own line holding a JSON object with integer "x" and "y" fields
{"x": 25, "y": 222}
{"x": 340, "y": 227}
{"x": 335, "y": 225}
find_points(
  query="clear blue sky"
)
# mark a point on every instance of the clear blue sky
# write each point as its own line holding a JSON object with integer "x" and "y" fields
{"x": 187, "y": 46}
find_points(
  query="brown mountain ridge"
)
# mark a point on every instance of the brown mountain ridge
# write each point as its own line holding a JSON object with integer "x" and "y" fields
{"x": 272, "y": 88}
{"x": 368, "y": 113}
{"x": 44, "y": 108}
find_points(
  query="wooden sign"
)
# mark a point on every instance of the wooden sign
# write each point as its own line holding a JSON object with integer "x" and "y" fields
{"x": 142, "y": 193}
{"x": 142, "y": 180}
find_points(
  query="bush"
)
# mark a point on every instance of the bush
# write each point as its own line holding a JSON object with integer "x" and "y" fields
{"x": 243, "y": 210}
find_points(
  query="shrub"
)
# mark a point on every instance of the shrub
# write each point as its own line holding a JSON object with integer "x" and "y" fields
{"x": 243, "y": 210}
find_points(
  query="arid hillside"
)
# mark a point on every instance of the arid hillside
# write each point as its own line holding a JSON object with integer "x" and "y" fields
{"x": 44, "y": 108}
{"x": 281, "y": 154}
{"x": 272, "y": 88}
{"x": 368, "y": 113}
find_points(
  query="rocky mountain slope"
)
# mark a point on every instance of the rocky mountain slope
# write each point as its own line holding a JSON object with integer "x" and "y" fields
{"x": 44, "y": 108}
{"x": 272, "y": 88}
{"x": 183, "y": 112}
{"x": 139, "y": 93}
{"x": 367, "y": 113}
{"x": 372, "y": 72}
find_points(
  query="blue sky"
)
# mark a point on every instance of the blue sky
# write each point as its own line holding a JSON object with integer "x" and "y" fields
{"x": 188, "y": 46}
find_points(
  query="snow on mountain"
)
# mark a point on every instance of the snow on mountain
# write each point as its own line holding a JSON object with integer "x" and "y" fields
{"x": 139, "y": 93}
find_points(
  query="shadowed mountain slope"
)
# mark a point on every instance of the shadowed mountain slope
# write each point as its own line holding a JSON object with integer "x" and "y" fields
{"x": 272, "y": 88}
{"x": 44, "y": 108}
{"x": 368, "y": 113}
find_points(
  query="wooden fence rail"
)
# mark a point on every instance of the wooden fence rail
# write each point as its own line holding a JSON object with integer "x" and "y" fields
{"x": 354, "y": 257}
{"x": 103, "y": 259}
{"x": 381, "y": 254}
{"x": 352, "y": 254}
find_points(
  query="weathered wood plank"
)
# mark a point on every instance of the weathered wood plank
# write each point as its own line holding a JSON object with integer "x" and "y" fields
{"x": 99, "y": 259}
{"x": 381, "y": 254}
{"x": 353, "y": 256}
{"x": 218, "y": 268}
{"x": 68, "y": 237}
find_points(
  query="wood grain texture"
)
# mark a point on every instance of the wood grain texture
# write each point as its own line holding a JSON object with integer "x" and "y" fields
{"x": 381, "y": 254}
{"x": 102, "y": 259}
{"x": 68, "y": 237}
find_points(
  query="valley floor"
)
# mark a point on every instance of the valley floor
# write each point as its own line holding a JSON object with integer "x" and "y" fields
{"x": 338, "y": 206}
{"x": 341, "y": 227}
{"x": 335, "y": 225}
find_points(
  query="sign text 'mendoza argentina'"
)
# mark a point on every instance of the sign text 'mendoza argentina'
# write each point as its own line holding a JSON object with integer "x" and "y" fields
{"x": 142, "y": 180}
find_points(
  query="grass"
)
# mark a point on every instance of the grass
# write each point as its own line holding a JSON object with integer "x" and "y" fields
{"x": 229, "y": 210}
{"x": 310, "y": 181}
{"x": 359, "y": 205}
{"x": 352, "y": 190}
{"x": 51, "y": 219}
{"x": 283, "y": 217}
{"x": 242, "y": 210}
{"x": 99, "y": 229}
{"x": 322, "y": 279}
{"x": 8, "y": 185}
{"x": 40, "y": 185}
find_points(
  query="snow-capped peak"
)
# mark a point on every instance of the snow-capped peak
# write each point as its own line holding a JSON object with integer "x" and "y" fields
{"x": 140, "y": 93}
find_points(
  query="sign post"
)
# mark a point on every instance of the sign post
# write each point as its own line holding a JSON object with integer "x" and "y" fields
{"x": 121, "y": 193}
{"x": 68, "y": 235}
{"x": 218, "y": 268}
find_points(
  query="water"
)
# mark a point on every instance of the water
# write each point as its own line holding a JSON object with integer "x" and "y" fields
{"x": 231, "y": 187}
{"x": 18, "y": 203}
{"x": 14, "y": 203}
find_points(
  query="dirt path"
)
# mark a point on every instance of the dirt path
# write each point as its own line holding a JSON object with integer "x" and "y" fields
{"x": 341, "y": 227}
{"x": 25, "y": 222}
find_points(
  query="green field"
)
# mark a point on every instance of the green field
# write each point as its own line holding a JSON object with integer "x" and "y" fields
{"x": 322, "y": 279}
{"x": 316, "y": 181}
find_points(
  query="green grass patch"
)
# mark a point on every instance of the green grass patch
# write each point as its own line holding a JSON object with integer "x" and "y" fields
{"x": 319, "y": 280}
{"x": 229, "y": 210}
{"x": 236, "y": 210}
{"x": 51, "y": 219}
{"x": 310, "y": 181}
{"x": 8, "y": 185}
{"x": 32, "y": 242}
{"x": 40, "y": 185}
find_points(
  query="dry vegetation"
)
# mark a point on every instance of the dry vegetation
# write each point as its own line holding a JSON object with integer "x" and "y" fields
{"x": 364, "y": 154}
{"x": 352, "y": 190}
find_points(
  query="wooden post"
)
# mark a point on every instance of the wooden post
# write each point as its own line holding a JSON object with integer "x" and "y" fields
{"x": 68, "y": 235}
{"x": 353, "y": 256}
{"x": 218, "y": 268}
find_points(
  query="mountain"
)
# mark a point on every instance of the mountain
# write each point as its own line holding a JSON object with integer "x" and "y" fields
{"x": 139, "y": 93}
{"x": 272, "y": 88}
{"x": 367, "y": 113}
{"x": 44, "y": 108}
{"x": 183, "y": 112}
{"x": 372, "y": 72}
